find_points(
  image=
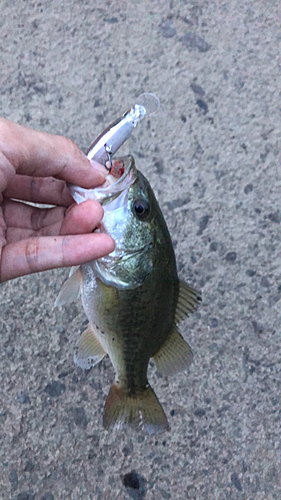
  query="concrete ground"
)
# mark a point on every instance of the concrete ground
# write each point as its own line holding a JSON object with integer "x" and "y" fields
{"x": 212, "y": 155}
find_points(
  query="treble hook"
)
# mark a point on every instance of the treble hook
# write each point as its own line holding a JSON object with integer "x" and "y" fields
{"x": 109, "y": 157}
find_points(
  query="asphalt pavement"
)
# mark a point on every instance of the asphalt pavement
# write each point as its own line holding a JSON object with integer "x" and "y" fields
{"x": 212, "y": 155}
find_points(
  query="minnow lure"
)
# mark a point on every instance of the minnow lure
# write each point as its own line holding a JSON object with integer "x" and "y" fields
{"x": 112, "y": 138}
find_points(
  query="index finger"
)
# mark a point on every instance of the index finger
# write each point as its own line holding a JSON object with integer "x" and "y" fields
{"x": 34, "y": 153}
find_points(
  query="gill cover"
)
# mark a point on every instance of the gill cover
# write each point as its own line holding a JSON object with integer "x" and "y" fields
{"x": 128, "y": 218}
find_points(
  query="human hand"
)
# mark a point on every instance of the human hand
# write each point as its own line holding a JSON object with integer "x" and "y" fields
{"x": 35, "y": 167}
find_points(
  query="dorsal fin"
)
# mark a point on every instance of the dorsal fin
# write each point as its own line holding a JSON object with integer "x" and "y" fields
{"x": 188, "y": 300}
{"x": 174, "y": 355}
{"x": 88, "y": 351}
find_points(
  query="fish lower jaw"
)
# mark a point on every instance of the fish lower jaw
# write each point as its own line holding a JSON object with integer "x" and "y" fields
{"x": 119, "y": 253}
{"x": 109, "y": 276}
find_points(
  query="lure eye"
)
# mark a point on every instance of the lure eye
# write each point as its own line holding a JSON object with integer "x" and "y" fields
{"x": 141, "y": 208}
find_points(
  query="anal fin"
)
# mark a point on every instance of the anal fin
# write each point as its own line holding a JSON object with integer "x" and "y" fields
{"x": 88, "y": 351}
{"x": 141, "y": 409}
{"x": 174, "y": 355}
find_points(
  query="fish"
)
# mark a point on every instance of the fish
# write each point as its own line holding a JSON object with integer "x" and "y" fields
{"x": 133, "y": 300}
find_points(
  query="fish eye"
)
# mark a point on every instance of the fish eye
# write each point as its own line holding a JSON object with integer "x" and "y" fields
{"x": 141, "y": 208}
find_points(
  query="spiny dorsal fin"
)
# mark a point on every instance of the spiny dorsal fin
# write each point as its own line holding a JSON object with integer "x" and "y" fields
{"x": 174, "y": 356}
{"x": 71, "y": 289}
{"x": 138, "y": 410}
{"x": 188, "y": 300}
{"x": 88, "y": 350}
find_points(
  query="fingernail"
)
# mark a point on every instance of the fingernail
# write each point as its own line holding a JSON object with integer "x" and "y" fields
{"x": 99, "y": 167}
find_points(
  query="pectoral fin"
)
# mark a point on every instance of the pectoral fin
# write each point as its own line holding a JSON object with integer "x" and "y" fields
{"x": 88, "y": 350}
{"x": 71, "y": 289}
{"x": 188, "y": 300}
{"x": 174, "y": 356}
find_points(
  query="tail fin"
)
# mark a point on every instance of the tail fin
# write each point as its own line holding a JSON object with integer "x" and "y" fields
{"x": 141, "y": 409}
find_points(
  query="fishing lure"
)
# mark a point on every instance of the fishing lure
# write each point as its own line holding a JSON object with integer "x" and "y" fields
{"x": 112, "y": 138}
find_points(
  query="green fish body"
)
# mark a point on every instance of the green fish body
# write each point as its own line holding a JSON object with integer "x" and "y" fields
{"x": 133, "y": 300}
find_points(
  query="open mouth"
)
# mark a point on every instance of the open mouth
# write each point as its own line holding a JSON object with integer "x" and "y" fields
{"x": 123, "y": 174}
{"x": 116, "y": 170}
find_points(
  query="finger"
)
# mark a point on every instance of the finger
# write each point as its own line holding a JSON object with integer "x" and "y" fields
{"x": 24, "y": 221}
{"x": 46, "y": 190}
{"x": 34, "y": 153}
{"x": 43, "y": 253}
{"x": 21, "y": 215}
{"x": 15, "y": 234}
{"x": 82, "y": 218}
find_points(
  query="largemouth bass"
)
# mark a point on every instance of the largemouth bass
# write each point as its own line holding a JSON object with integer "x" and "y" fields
{"x": 133, "y": 300}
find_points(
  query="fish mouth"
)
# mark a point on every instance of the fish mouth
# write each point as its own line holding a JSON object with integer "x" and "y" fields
{"x": 122, "y": 175}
